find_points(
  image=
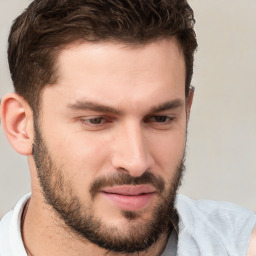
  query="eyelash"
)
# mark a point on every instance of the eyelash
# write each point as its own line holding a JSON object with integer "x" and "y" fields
{"x": 101, "y": 120}
{"x": 162, "y": 119}
{"x": 89, "y": 120}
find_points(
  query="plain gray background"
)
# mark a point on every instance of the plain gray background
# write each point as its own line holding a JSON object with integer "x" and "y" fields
{"x": 221, "y": 154}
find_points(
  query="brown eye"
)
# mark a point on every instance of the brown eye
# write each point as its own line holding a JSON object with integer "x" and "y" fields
{"x": 160, "y": 119}
{"x": 97, "y": 120}
{"x": 94, "y": 121}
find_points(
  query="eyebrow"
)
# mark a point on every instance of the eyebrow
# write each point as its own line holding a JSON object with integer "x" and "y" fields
{"x": 173, "y": 104}
{"x": 87, "y": 105}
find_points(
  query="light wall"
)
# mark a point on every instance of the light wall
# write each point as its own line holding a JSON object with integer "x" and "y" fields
{"x": 221, "y": 153}
{"x": 222, "y": 130}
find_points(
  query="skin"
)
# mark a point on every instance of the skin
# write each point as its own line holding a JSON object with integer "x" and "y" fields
{"x": 124, "y": 78}
{"x": 133, "y": 80}
{"x": 252, "y": 246}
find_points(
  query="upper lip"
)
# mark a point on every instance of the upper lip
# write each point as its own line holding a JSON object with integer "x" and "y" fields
{"x": 130, "y": 190}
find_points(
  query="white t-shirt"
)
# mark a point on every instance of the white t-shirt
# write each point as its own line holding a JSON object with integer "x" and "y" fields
{"x": 210, "y": 228}
{"x": 11, "y": 243}
{"x": 206, "y": 228}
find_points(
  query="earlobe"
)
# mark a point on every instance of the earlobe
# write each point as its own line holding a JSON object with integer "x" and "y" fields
{"x": 17, "y": 121}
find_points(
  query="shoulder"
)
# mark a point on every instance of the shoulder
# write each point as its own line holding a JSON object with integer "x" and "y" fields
{"x": 219, "y": 225}
{"x": 5, "y": 224}
{"x": 214, "y": 210}
{"x": 10, "y": 233}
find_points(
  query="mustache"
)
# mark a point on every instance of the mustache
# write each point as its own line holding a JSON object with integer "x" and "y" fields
{"x": 126, "y": 179}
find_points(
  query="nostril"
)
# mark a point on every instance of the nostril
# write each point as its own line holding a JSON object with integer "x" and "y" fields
{"x": 123, "y": 170}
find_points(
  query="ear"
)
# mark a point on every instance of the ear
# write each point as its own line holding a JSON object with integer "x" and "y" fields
{"x": 189, "y": 101}
{"x": 17, "y": 120}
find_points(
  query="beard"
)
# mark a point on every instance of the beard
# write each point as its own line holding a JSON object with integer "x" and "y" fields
{"x": 80, "y": 218}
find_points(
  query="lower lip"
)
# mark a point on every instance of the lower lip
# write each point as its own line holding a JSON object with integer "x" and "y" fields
{"x": 129, "y": 203}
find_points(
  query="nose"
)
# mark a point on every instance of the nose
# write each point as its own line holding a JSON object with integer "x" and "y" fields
{"x": 131, "y": 152}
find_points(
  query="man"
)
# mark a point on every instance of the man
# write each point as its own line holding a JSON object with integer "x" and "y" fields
{"x": 101, "y": 108}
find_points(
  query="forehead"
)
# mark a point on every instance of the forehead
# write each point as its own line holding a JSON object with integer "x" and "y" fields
{"x": 118, "y": 73}
{"x": 115, "y": 54}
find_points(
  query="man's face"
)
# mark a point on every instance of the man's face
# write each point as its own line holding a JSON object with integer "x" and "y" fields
{"x": 110, "y": 141}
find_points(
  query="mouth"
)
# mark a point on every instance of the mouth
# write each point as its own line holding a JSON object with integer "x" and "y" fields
{"x": 129, "y": 197}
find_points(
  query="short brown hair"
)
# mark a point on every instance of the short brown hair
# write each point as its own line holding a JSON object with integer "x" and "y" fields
{"x": 46, "y": 26}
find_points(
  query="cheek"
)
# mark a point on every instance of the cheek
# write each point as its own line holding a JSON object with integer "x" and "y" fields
{"x": 80, "y": 159}
{"x": 77, "y": 149}
{"x": 168, "y": 151}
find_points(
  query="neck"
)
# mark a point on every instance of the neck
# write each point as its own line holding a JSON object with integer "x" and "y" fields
{"x": 41, "y": 226}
